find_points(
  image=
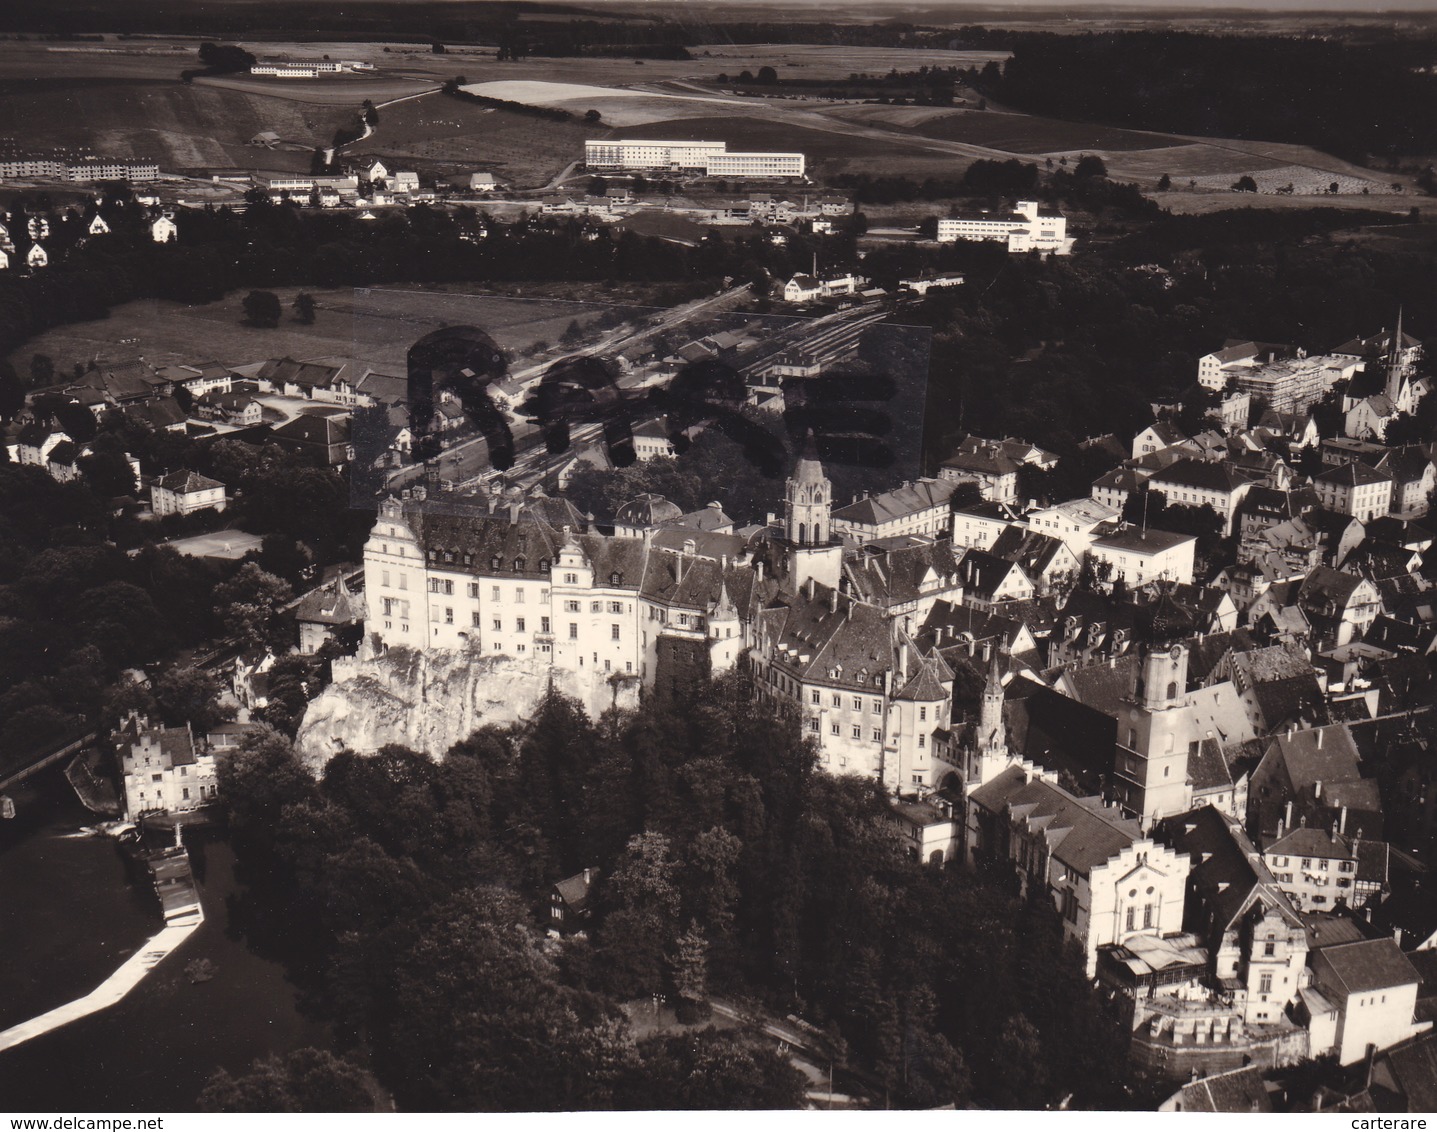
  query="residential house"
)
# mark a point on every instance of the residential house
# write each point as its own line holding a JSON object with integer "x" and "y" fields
{"x": 1046, "y": 561}
{"x": 1157, "y": 436}
{"x": 1077, "y": 522}
{"x": 1374, "y": 988}
{"x": 1339, "y": 606}
{"x": 928, "y": 830}
{"x": 984, "y": 463}
{"x": 323, "y": 438}
{"x": 320, "y": 613}
{"x": 1112, "y": 489}
{"x": 989, "y": 581}
{"x": 163, "y": 769}
{"x": 1414, "y": 478}
{"x": 1322, "y": 869}
{"x": 1197, "y": 483}
{"x": 1310, "y": 769}
{"x": 163, "y": 230}
{"x": 1142, "y": 555}
{"x": 1355, "y": 489}
{"x": 1215, "y": 370}
{"x": 1237, "y": 1090}
{"x": 571, "y": 903}
{"x": 978, "y": 525}
{"x": 185, "y": 492}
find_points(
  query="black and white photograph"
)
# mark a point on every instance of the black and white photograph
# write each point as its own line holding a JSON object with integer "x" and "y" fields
{"x": 678, "y": 556}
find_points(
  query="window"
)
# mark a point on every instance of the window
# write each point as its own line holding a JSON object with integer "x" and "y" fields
{"x": 474, "y": 619}
{"x": 440, "y": 586}
{"x": 519, "y": 594}
{"x": 571, "y": 579}
{"x": 1269, "y": 949}
{"x": 877, "y": 707}
{"x": 571, "y": 607}
{"x": 837, "y": 700}
{"x": 922, "y": 740}
{"x": 857, "y": 703}
{"x": 474, "y": 590}
{"x": 493, "y": 593}
{"x": 833, "y": 727}
{"x": 448, "y": 615}
{"x": 185, "y": 791}
{"x": 858, "y": 732}
{"x": 616, "y": 607}
{"x": 1264, "y": 984}
{"x": 1131, "y": 918}
{"x": 877, "y": 735}
{"x": 813, "y": 725}
{"x": 596, "y": 607}
{"x": 1307, "y": 862}
{"x": 403, "y": 581}
{"x": 814, "y": 696}
{"x": 613, "y": 632}
{"x": 573, "y": 631}
{"x": 498, "y": 625}
{"x": 1322, "y": 864}
{"x": 1147, "y": 915}
{"x": 543, "y": 625}
{"x": 384, "y": 578}
{"x": 519, "y": 625}
{"x": 923, "y": 714}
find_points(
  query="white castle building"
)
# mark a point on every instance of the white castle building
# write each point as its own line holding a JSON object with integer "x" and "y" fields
{"x": 828, "y": 627}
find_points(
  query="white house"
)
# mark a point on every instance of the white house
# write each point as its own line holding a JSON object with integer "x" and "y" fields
{"x": 1374, "y": 988}
{"x": 922, "y": 507}
{"x": 1156, "y": 437}
{"x": 1025, "y": 229}
{"x": 184, "y": 492}
{"x": 1196, "y": 483}
{"x": 37, "y": 257}
{"x": 1139, "y": 556}
{"x": 1077, "y": 522}
{"x": 163, "y": 230}
{"x": 98, "y": 227}
{"x": 1355, "y": 489}
{"x": 164, "y": 770}
{"x": 482, "y": 183}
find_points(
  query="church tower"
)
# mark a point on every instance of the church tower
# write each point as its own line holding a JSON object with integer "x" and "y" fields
{"x": 990, "y": 747}
{"x": 1156, "y": 729}
{"x": 807, "y": 508}
{"x": 1395, "y": 369}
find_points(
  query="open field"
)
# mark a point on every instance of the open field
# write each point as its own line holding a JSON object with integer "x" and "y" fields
{"x": 1022, "y": 133}
{"x": 180, "y": 126}
{"x": 337, "y": 90}
{"x": 375, "y": 326}
{"x": 821, "y": 61}
{"x": 450, "y": 135}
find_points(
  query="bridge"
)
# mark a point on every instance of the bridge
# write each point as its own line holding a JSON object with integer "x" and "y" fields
{"x": 15, "y": 769}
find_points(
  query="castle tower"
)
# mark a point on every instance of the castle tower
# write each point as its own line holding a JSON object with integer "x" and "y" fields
{"x": 990, "y": 746}
{"x": 807, "y": 505}
{"x": 1156, "y": 729}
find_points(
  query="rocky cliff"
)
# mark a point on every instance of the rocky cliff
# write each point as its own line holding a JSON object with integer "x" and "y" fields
{"x": 430, "y": 700}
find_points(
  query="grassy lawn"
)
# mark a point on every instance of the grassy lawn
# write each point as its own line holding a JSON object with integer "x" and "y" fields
{"x": 1022, "y": 133}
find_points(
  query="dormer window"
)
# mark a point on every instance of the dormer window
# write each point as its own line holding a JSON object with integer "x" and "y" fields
{"x": 544, "y": 565}
{"x": 519, "y": 565}
{"x": 494, "y": 562}
{"x": 448, "y": 556}
{"x": 616, "y": 579}
{"x": 469, "y": 560}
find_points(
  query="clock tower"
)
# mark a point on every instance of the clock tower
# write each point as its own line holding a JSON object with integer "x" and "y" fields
{"x": 1157, "y": 732}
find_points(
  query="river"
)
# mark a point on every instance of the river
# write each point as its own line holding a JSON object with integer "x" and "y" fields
{"x": 69, "y": 915}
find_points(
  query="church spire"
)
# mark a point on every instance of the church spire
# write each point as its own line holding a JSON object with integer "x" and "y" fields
{"x": 1394, "y": 362}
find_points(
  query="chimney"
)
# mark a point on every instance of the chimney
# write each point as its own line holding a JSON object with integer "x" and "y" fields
{"x": 758, "y": 567}
{"x": 1317, "y": 789}
{"x": 1342, "y": 821}
{"x": 810, "y": 589}
{"x": 1320, "y": 733}
{"x": 903, "y": 661}
{"x": 833, "y": 601}
{"x": 588, "y": 876}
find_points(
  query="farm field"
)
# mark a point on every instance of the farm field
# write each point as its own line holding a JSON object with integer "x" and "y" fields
{"x": 337, "y": 90}
{"x": 450, "y": 135}
{"x": 376, "y": 326}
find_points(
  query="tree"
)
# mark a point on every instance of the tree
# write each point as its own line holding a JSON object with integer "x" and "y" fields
{"x": 257, "y": 781}
{"x": 307, "y": 1080}
{"x": 76, "y": 420}
{"x": 371, "y": 115}
{"x": 1244, "y": 184}
{"x": 745, "y": 76}
{"x": 1164, "y": 183}
{"x": 598, "y": 186}
{"x": 690, "y": 966}
{"x": 42, "y": 369}
{"x": 12, "y": 392}
{"x": 592, "y": 116}
{"x": 304, "y": 307}
{"x": 108, "y": 473}
{"x": 767, "y": 75}
{"x": 191, "y": 696}
{"x": 247, "y": 604}
{"x": 1090, "y": 165}
{"x": 262, "y": 309}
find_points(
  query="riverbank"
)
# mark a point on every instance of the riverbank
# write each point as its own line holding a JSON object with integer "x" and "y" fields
{"x": 62, "y": 894}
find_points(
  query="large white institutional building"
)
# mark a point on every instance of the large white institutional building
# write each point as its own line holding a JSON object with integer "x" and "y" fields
{"x": 712, "y": 159}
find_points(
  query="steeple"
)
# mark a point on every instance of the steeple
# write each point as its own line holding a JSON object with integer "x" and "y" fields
{"x": 808, "y": 499}
{"x": 1394, "y": 362}
{"x": 991, "y": 735}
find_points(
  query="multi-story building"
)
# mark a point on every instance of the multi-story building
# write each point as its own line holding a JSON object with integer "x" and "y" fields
{"x": 1196, "y": 483}
{"x": 1323, "y": 869}
{"x": 164, "y": 769}
{"x": 1139, "y": 555}
{"x": 1076, "y": 521}
{"x": 711, "y": 159}
{"x": 1108, "y": 881}
{"x": 922, "y": 507}
{"x": 1355, "y": 489}
{"x": 1025, "y": 229}
{"x": 1290, "y": 384}
{"x": 1236, "y": 357}
{"x": 184, "y": 493}
{"x": 1373, "y": 987}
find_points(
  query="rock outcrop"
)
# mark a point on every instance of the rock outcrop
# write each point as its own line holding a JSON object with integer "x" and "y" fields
{"x": 428, "y": 701}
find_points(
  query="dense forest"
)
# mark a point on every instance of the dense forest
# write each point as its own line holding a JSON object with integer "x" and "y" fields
{"x": 1355, "y": 101}
{"x": 729, "y": 868}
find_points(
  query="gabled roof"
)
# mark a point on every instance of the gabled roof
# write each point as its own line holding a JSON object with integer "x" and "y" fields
{"x": 1203, "y": 475}
{"x": 1105, "y": 687}
{"x": 1320, "y": 754}
{"x": 1082, "y": 833}
{"x": 1368, "y": 965}
{"x": 1238, "y": 1090}
{"x": 984, "y": 572}
{"x": 184, "y": 482}
{"x": 900, "y": 503}
{"x": 330, "y": 605}
{"x": 1035, "y": 552}
{"x": 1228, "y": 873}
{"x": 287, "y": 371}
{"x": 1353, "y": 474}
{"x": 1165, "y": 431}
{"x": 575, "y": 890}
